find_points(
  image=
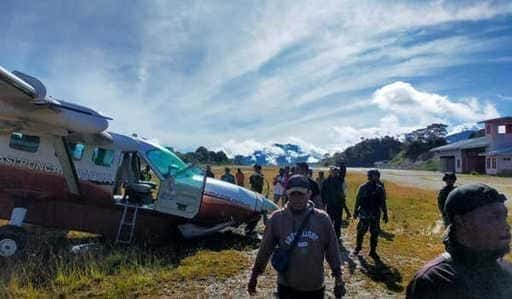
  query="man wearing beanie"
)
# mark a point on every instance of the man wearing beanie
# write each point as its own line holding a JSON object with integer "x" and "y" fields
{"x": 478, "y": 237}
{"x": 304, "y": 275}
{"x": 449, "y": 179}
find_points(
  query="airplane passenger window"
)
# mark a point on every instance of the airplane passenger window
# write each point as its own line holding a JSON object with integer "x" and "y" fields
{"x": 77, "y": 150}
{"x": 103, "y": 157}
{"x": 24, "y": 142}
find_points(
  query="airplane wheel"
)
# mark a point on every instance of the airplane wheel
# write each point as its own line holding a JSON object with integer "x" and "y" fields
{"x": 12, "y": 240}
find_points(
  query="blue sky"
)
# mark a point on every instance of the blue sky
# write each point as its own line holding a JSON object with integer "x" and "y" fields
{"x": 237, "y": 75}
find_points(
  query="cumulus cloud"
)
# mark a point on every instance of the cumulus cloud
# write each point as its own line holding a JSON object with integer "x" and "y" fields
{"x": 404, "y": 99}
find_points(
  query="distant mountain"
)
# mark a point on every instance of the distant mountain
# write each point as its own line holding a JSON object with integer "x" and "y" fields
{"x": 278, "y": 154}
{"x": 462, "y": 133}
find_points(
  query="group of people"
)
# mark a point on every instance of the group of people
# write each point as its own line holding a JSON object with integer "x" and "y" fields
{"x": 307, "y": 230}
{"x": 316, "y": 206}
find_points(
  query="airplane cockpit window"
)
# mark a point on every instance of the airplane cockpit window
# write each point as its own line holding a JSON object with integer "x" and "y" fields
{"x": 103, "y": 157}
{"x": 165, "y": 161}
{"x": 24, "y": 142}
{"x": 77, "y": 150}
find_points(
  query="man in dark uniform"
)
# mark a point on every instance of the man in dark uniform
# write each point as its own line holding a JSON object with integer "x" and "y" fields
{"x": 370, "y": 202}
{"x": 449, "y": 178}
{"x": 478, "y": 237}
{"x": 333, "y": 198}
{"x": 256, "y": 180}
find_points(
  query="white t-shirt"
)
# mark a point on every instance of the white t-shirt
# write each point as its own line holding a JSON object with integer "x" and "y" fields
{"x": 279, "y": 186}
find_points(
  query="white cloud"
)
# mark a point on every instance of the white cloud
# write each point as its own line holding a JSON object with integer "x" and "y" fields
{"x": 404, "y": 99}
{"x": 200, "y": 72}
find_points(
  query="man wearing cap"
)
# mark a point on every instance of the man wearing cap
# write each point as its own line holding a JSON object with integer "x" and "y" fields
{"x": 370, "y": 203}
{"x": 304, "y": 275}
{"x": 478, "y": 237}
{"x": 449, "y": 179}
{"x": 303, "y": 169}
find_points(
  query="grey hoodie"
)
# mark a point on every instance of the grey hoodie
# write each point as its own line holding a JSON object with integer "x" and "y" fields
{"x": 306, "y": 269}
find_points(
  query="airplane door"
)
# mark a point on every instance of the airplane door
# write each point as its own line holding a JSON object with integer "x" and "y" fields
{"x": 181, "y": 193}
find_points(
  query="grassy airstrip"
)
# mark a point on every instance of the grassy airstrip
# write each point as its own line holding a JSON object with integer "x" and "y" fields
{"x": 187, "y": 268}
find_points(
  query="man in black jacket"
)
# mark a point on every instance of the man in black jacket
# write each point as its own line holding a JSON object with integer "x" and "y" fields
{"x": 449, "y": 179}
{"x": 333, "y": 197}
{"x": 370, "y": 202}
{"x": 478, "y": 238}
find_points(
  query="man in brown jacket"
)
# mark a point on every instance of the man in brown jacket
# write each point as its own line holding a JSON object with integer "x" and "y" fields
{"x": 304, "y": 277}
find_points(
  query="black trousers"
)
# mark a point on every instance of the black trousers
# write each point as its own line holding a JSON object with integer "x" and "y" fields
{"x": 285, "y": 292}
{"x": 362, "y": 227}
{"x": 336, "y": 215}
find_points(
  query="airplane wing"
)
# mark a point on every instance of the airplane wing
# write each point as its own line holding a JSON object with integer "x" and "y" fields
{"x": 24, "y": 105}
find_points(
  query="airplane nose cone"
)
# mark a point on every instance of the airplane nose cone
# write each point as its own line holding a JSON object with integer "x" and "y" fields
{"x": 269, "y": 206}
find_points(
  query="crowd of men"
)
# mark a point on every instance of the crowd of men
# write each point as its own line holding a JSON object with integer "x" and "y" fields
{"x": 307, "y": 230}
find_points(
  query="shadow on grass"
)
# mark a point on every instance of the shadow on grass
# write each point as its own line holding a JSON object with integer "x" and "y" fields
{"x": 381, "y": 272}
{"x": 345, "y": 258}
{"x": 385, "y": 235}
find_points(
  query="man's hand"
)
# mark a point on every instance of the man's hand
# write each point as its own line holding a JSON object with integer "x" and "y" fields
{"x": 385, "y": 218}
{"x": 251, "y": 286}
{"x": 339, "y": 288}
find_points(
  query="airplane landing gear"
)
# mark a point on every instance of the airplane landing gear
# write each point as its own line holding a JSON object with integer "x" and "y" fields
{"x": 12, "y": 240}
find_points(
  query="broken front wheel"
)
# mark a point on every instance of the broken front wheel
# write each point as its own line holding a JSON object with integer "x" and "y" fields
{"x": 12, "y": 240}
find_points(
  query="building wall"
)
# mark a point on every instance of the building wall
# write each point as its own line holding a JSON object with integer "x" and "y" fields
{"x": 456, "y": 154}
{"x": 499, "y": 140}
{"x": 504, "y": 165}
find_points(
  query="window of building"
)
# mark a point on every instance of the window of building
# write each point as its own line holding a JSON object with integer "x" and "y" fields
{"x": 502, "y": 129}
{"x": 458, "y": 163}
{"x": 488, "y": 160}
{"x": 24, "y": 142}
{"x": 493, "y": 163}
{"x": 103, "y": 157}
{"x": 488, "y": 129}
{"x": 506, "y": 159}
{"x": 509, "y": 129}
{"x": 77, "y": 150}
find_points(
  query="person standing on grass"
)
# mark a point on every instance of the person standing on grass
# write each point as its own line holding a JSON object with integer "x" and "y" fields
{"x": 240, "y": 177}
{"x": 304, "y": 275}
{"x": 333, "y": 197}
{"x": 279, "y": 183}
{"x": 449, "y": 179}
{"x": 320, "y": 180}
{"x": 370, "y": 203}
{"x": 256, "y": 179}
{"x": 342, "y": 173}
{"x": 478, "y": 238}
{"x": 303, "y": 169}
{"x": 209, "y": 172}
{"x": 227, "y": 176}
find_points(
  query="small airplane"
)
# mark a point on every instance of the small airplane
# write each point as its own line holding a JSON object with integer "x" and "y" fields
{"x": 60, "y": 168}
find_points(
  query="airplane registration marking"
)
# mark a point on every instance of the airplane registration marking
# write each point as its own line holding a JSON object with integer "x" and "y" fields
{"x": 83, "y": 173}
{"x": 30, "y": 164}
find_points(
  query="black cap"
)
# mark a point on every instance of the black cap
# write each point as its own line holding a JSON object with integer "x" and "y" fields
{"x": 299, "y": 183}
{"x": 449, "y": 175}
{"x": 470, "y": 197}
{"x": 373, "y": 172}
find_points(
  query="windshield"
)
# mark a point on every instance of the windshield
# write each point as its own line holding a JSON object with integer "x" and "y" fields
{"x": 166, "y": 162}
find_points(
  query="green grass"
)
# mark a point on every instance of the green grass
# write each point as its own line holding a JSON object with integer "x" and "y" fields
{"x": 115, "y": 273}
{"x": 182, "y": 269}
